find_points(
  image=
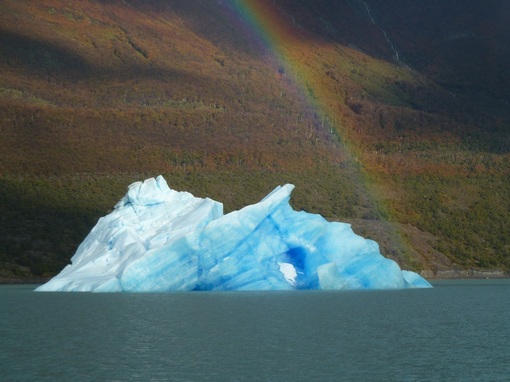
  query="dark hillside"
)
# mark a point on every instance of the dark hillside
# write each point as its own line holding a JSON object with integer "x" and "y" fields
{"x": 393, "y": 115}
{"x": 461, "y": 45}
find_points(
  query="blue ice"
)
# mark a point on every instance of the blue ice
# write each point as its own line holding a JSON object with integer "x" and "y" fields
{"x": 158, "y": 239}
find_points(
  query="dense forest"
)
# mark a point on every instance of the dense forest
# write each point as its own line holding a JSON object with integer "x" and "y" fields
{"x": 393, "y": 116}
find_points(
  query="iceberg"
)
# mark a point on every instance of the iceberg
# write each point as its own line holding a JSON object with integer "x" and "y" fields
{"x": 157, "y": 240}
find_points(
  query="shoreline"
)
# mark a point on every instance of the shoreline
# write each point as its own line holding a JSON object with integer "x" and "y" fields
{"x": 443, "y": 274}
{"x": 455, "y": 274}
{"x": 29, "y": 280}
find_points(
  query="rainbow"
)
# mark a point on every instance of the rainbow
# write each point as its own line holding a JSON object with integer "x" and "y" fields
{"x": 283, "y": 39}
{"x": 293, "y": 48}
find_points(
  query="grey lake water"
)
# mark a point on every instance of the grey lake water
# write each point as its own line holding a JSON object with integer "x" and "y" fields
{"x": 456, "y": 331}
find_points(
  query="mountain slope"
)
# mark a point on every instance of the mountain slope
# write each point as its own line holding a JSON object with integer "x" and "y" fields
{"x": 412, "y": 148}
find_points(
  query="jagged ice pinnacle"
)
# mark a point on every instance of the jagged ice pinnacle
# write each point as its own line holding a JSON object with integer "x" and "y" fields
{"x": 158, "y": 239}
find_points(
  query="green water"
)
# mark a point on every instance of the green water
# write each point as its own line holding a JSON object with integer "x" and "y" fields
{"x": 457, "y": 331}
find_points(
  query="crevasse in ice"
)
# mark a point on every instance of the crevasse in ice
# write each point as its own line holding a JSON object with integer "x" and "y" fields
{"x": 158, "y": 239}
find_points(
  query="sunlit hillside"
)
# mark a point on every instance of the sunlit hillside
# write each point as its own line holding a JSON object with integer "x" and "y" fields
{"x": 381, "y": 115}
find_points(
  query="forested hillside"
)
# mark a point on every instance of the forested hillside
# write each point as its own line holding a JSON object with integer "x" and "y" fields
{"x": 394, "y": 116}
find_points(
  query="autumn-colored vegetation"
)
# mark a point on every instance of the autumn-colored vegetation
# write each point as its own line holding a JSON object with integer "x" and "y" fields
{"x": 98, "y": 94}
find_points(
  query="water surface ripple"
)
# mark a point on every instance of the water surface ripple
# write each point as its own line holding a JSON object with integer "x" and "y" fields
{"x": 457, "y": 331}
